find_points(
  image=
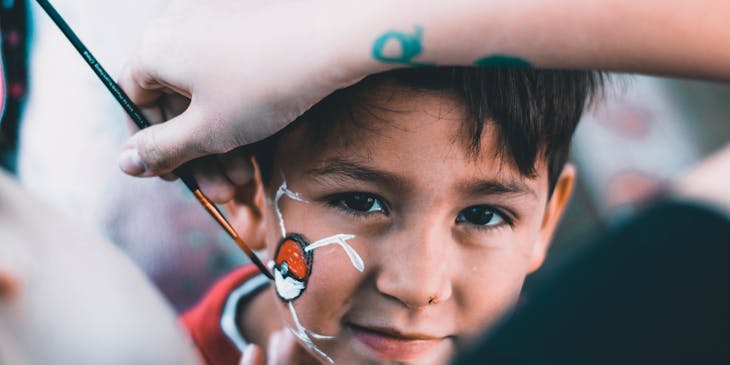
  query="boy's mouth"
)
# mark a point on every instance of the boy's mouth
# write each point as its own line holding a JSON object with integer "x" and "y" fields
{"x": 392, "y": 344}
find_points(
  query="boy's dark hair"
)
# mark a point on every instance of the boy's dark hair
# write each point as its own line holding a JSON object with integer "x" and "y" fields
{"x": 535, "y": 112}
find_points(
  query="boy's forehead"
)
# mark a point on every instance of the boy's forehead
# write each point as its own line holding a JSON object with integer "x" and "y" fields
{"x": 399, "y": 130}
{"x": 385, "y": 114}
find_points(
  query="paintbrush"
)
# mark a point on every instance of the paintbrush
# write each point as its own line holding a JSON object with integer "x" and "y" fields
{"x": 183, "y": 172}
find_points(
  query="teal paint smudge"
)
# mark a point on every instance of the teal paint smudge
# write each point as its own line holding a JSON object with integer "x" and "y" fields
{"x": 410, "y": 45}
{"x": 196, "y": 239}
{"x": 501, "y": 61}
{"x": 226, "y": 245}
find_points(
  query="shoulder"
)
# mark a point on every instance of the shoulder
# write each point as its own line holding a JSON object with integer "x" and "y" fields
{"x": 212, "y": 322}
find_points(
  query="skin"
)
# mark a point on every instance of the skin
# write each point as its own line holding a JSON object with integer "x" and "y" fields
{"x": 431, "y": 278}
{"x": 280, "y": 62}
{"x": 69, "y": 297}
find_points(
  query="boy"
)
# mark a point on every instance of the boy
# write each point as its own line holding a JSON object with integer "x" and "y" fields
{"x": 401, "y": 215}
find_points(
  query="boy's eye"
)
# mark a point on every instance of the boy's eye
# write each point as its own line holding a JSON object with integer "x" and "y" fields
{"x": 481, "y": 215}
{"x": 359, "y": 202}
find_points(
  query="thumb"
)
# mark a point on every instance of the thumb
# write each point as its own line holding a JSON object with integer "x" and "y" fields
{"x": 161, "y": 148}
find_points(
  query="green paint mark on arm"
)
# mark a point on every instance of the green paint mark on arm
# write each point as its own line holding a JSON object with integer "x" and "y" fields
{"x": 501, "y": 61}
{"x": 410, "y": 47}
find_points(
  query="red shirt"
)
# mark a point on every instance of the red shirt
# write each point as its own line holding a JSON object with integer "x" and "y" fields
{"x": 212, "y": 322}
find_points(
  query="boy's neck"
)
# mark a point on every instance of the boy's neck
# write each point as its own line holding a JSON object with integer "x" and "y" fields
{"x": 255, "y": 319}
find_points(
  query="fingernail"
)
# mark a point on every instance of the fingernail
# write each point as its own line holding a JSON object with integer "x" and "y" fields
{"x": 248, "y": 353}
{"x": 131, "y": 163}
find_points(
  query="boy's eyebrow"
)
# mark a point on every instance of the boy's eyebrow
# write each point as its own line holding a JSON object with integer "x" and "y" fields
{"x": 493, "y": 187}
{"x": 354, "y": 170}
{"x": 351, "y": 169}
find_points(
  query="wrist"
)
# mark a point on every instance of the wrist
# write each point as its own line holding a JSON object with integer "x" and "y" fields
{"x": 348, "y": 36}
{"x": 380, "y": 35}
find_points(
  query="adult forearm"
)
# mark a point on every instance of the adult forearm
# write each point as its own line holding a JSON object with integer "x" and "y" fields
{"x": 679, "y": 37}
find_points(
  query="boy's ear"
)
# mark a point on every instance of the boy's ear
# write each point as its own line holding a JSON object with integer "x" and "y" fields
{"x": 554, "y": 210}
{"x": 245, "y": 212}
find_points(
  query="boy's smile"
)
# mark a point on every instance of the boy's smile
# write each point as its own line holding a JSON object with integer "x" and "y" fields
{"x": 446, "y": 236}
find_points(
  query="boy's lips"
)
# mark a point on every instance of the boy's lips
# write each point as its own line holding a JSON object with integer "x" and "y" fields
{"x": 393, "y": 344}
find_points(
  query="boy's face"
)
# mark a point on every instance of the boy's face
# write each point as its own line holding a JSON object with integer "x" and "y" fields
{"x": 445, "y": 237}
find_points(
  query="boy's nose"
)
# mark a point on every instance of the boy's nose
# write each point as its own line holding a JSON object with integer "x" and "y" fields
{"x": 415, "y": 268}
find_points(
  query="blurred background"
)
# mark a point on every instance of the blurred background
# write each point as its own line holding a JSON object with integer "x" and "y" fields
{"x": 61, "y": 133}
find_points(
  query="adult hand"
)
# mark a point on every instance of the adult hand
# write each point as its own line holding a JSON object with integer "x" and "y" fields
{"x": 226, "y": 74}
{"x": 283, "y": 349}
{"x": 241, "y": 71}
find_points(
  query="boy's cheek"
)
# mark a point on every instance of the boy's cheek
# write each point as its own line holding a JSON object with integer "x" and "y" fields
{"x": 489, "y": 286}
{"x": 330, "y": 290}
{"x": 333, "y": 277}
{"x": 485, "y": 313}
{"x": 332, "y": 267}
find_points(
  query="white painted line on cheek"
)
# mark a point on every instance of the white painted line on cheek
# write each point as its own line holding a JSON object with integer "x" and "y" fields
{"x": 283, "y": 190}
{"x": 303, "y": 334}
{"x": 340, "y": 240}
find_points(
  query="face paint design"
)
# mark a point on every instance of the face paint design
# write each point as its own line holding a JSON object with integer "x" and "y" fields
{"x": 292, "y": 266}
{"x": 340, "y": 240}
{"x": 306, "y": 335}
{"x": 293, "y": 262}
{"x": 282, "y": 191}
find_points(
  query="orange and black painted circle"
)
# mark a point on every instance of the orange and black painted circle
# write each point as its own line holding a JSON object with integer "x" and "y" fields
{"x": 292, "y": 260}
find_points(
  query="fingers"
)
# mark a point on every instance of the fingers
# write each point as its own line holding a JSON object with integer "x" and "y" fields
{"x": 213, "y": 183}
{"x": 283, "y": 349}
{"x": 252, "y": 355}
{"x": 220, "y": 176}
{"x": 237, "y": 166}
{"x": 273, "y": 352}
{"x": 140, "y": 86}
{"x": 161, "y": 148}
